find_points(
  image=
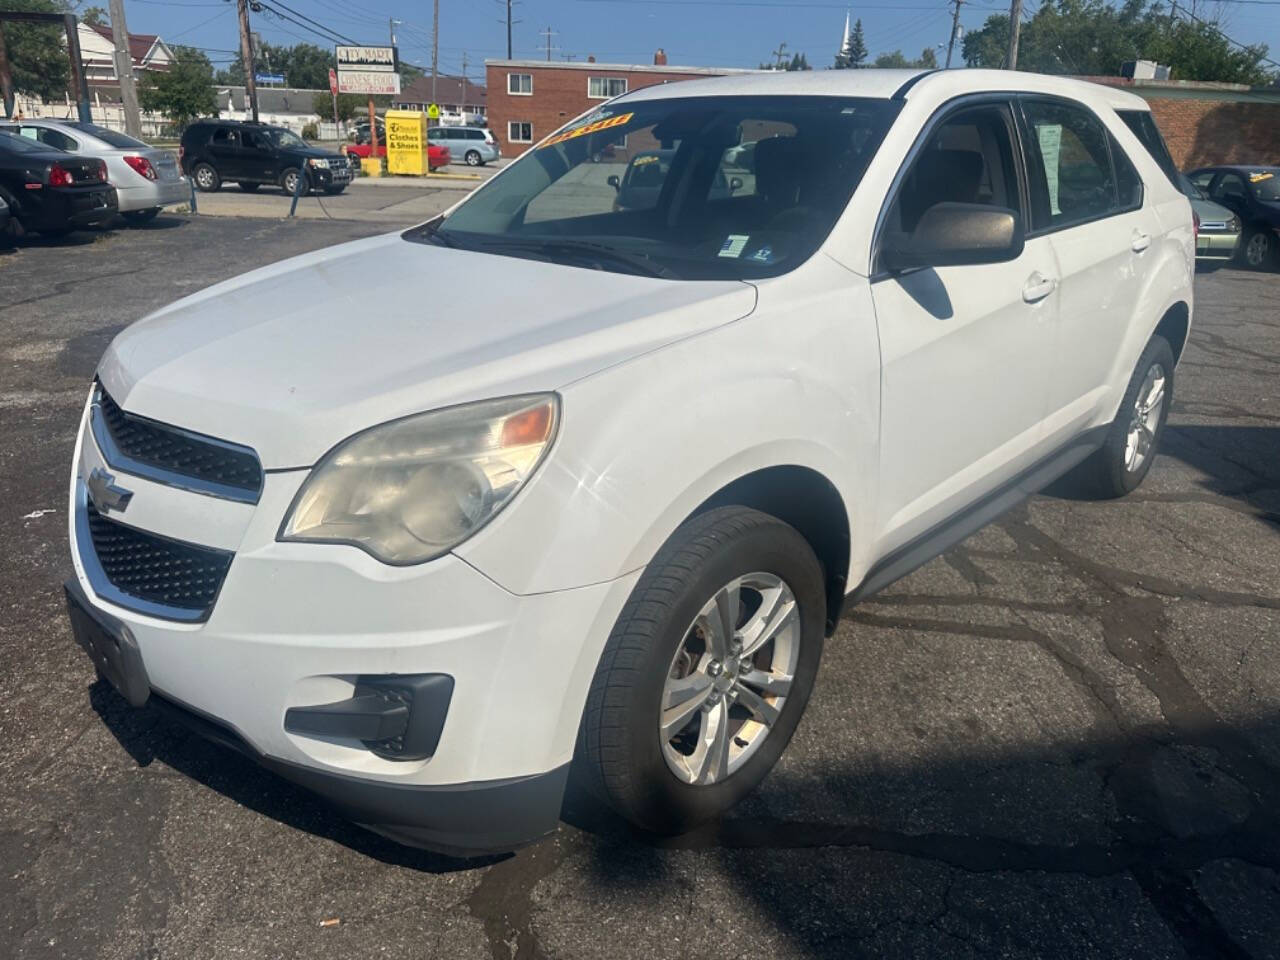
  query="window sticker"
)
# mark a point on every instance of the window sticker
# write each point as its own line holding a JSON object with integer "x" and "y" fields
{"x": 1259, "y": 176}
{"x": 733, "y": 245}
{"x": 763, "y": 255}
{"x": 618, "y": 121}
{"x": 1050, "y": 136}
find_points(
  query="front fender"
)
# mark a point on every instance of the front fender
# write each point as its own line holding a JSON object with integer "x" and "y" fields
{"x": 642, "y": 444}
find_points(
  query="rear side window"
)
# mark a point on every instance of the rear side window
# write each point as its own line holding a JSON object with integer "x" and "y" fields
{"x": 1144, "y": 128}
{"x": 226, "y": 137}
{"x": 1070, "y": 156}
{"x": 1128, "y": 182}
{"x": 111, "y": 138}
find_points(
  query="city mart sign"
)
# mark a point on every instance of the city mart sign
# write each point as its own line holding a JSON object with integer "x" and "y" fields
{"x": 368, "y": 70}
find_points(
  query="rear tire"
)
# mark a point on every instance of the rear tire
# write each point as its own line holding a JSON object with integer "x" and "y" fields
{"x": 206, "y": 178}
{"x": 1119, "y": 466}
{"x": 670, "y": 653}
{"x": 473, "y": 158}
{"x": 137, "y": 218}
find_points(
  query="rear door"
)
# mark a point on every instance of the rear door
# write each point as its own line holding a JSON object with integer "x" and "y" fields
{"x": 965, "y": 350}
{"x": 258, "y": 157}
{"x": 1088, "y": 200}
{"x": 224, "y": 153}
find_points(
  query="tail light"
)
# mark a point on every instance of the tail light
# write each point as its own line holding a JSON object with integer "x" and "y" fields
{"x": 60, "y": 176}
{"x": 1195, "y": 224}
{"x": 142, "y": 165}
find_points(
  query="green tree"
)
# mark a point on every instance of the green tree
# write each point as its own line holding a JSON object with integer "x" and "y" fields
{"x": 37, "y": 54}
{"x": 854, "y": 53}
{"x": 95, "y": 17}
{"x": 928, "y": 60}
{"x": 1094, "y": 37}
{"x": 183, "y": 92}
{"x": 799, "y": 62}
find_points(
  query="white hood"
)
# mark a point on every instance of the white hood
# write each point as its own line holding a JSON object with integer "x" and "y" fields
{"x": 293, "y": 358}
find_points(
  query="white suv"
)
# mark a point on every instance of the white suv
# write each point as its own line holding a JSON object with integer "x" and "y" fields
{"x": 421, "y": 565}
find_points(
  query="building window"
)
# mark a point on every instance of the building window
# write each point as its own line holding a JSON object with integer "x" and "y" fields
{"x": 520, "y": 131}
{"x": 602, "y": 88}
{"x": 520, "y": 84}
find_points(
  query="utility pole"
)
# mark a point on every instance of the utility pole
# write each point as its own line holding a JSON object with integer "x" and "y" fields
{"x": 124, "y": 69}
{"x": 508, "y": 29}
{"x": 955, "y": 29}
{"x": 780, "y": 54}
{"x": 246, "y": 55}
{"x": 465, "y": 88}
{"x": 6, "y": 78}
{"x": 548, "y": 33}
{"x": 435, "y": 48}
{"x": 1015, "y": 27}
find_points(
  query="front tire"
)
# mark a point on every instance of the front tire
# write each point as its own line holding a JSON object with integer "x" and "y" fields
{"x": 289, "y": 182}
{"x": 707, "y": 671}
{"x": 1258, "y": 249}
{"x": 207, "y": 179}
{"x": 1125, "y": 457}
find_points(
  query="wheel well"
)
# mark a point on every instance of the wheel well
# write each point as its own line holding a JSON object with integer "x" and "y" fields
{"x": 1173, "y": 327}
{"x": 808, "y": 501}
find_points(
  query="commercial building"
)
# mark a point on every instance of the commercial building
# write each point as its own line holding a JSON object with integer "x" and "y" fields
{"x": 529, "y": 99}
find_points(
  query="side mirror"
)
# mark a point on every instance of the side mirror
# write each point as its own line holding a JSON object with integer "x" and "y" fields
{"x": 735, "y": 183}
{"x": 956, "y": 234}
{"x": 614, "y": 182}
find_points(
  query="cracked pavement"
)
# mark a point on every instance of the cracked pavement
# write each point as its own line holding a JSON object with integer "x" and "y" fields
{"x": 1060, "y": 739}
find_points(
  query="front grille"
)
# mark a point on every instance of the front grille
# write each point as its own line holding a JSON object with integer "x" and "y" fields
{"x": 156, "y": 569}
{"x": 170, "y": 450}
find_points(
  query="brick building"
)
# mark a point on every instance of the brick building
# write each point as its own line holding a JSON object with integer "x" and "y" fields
{"x": 1209, "y": 123}
{"x": 528, "y": 99}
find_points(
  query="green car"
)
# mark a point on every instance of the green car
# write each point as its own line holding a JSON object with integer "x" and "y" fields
{"x": 1218, "y": 234}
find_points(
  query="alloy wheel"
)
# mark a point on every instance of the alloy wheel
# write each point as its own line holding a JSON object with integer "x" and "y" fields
{"x": 1257, "y": 249}
{"x": 204, "y": 177}
{"x": 729, "y": 678}
{"x": 1144, "y": 419}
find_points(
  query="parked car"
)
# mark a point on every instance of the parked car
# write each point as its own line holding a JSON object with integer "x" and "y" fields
{"x": 1217, "y": 228}
{"x": 360, "y": 132}
{"x": 146, "y": 178}
{"x": 424, "y": 566}
{"x": 4, "y": 219}
{"x": 1253, "y": 194}
{"x": 253, "y": 154}
{"x": 476, "y": 146}
{"x": 50, "y": 191}
{"x": 437, "y": 156}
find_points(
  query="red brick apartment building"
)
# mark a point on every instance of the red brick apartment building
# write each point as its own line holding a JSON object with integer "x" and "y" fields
{"x": 528, "y": 99}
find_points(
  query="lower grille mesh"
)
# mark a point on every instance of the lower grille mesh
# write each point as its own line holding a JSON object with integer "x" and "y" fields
{"x": 155, "y": 568}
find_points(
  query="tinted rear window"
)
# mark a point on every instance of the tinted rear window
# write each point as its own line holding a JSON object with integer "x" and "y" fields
{"x": 111, "y": 137}
{"x": 1144, "y": 128}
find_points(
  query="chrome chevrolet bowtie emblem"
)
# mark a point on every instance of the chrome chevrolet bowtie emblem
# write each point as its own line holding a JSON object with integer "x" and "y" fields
{"x": 104, "y": 493}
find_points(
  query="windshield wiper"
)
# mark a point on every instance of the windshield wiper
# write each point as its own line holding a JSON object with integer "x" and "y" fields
{"x": 640, "y": 263}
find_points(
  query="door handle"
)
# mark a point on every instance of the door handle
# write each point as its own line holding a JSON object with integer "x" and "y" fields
{"x": 1140, "y": 241}
{"x": 1038, "y": 287}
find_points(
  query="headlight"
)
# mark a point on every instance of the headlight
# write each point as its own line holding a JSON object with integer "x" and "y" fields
{"x": 319, "y": 162}
{"x": 412, "y": 489}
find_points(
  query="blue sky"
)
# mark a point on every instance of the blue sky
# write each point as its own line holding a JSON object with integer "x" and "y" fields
{"x": 694, "y": 32}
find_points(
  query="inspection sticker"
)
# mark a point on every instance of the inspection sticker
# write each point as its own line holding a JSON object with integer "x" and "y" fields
{"x": 733, "y": 245}
{"x": 1260, "y": 176}
{"x": 618, "y": 121}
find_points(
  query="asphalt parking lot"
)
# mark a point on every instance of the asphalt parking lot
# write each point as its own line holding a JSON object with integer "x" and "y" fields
{"x": 1062, "y": 739}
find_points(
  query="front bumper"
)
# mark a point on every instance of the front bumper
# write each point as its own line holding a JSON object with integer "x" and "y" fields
{"x": 1216, "y": 246}
{"x": 297, "y": 625}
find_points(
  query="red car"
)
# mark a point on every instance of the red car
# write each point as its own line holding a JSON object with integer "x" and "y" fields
{"x": 437, "y": 157}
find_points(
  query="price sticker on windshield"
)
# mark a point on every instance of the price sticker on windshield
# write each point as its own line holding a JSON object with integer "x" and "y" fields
{"x": 605, "y": 124}
{"x": 1260, "y": 176}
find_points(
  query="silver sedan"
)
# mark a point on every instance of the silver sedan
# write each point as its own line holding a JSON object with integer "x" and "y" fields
{"x": 146, "y": 178}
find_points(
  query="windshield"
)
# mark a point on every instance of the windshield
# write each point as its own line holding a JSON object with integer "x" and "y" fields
{"x": 1265, "y": 183}
{"x": 110, "y": 137}
{"x": 689, "y": 188}
{"x": 284, "y": 138}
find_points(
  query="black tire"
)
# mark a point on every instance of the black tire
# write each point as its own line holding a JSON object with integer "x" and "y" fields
{"x": 620, "y": 752}
{"x": 286, "y": 183}
{"x": 206, "y": 178}
{"x": 249, "y": 187}
{"x": 1258, "y": 248}
{"x": 137, "y": 218}
{"x": 473, "y": 158}
{"x": 334, "y": 191}
{"x": 1106, "y": 474}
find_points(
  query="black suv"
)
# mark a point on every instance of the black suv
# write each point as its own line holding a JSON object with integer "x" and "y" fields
{"x": 252, "y": 154}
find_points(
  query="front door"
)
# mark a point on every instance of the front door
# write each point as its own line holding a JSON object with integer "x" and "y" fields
{"x": 965, "y": 350}
{"x": 257, "y": 157}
